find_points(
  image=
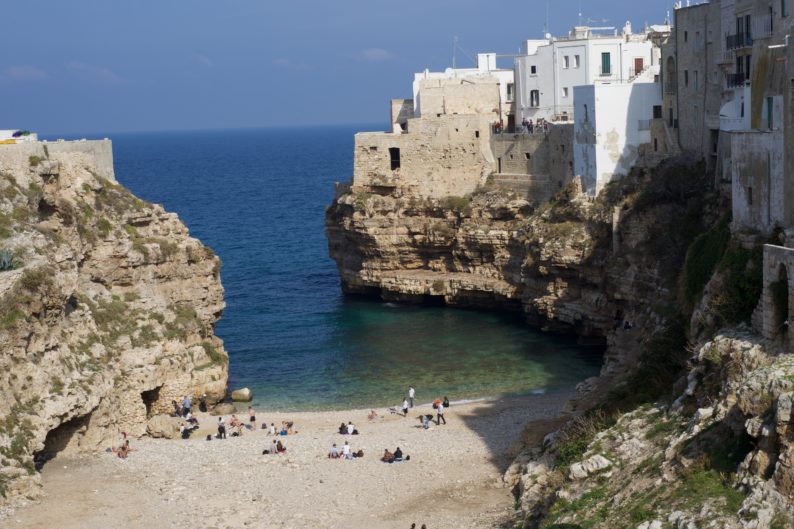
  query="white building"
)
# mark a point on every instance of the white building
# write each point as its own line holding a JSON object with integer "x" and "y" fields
{"x": 613, "y": 122}
{"x": 425, "y": 82}
{"x": 550, "y": 69}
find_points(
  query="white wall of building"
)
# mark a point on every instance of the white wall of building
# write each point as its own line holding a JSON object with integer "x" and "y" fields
{"x": 612, "y": 122}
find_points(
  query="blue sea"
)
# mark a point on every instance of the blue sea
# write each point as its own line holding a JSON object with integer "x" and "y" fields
{"x": 258, "y": 197}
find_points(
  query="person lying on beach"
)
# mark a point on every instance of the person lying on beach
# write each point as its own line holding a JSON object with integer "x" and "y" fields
{"x": 334, "y": 453}
{"x": 280, "y": 448}
{"x": 373, "y": 415}
{"x": 388, "y": 457}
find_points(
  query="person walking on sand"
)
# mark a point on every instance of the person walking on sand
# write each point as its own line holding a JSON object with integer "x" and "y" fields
{"x": 440, "y": 414}
{"x": 405, "y": 407}
{"x": 411, "y": 395}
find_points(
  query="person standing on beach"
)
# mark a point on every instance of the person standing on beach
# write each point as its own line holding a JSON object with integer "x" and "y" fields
{"x": 221, "y": 428}
{"x": 405, "y": 407}
{"x": 440, "y": 414}
{"x": 252, "y": 417}
{"x": 411, "y": 395}
{"x": 185, "y": 405}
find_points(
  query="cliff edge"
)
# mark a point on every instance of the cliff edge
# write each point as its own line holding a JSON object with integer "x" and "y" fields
{"x": 107, "y": 309}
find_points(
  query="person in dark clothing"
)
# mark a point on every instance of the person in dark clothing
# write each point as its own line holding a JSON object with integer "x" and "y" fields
{"x": 398, "y": 454}
{"x": 203, "y": 403}
{"x": 221, "y": 428}
{"x": 446, "y": 402}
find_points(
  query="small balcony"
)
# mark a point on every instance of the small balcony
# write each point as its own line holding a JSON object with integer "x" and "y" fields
{"x": 726, "y": 57}
{"x": 738, "y": 41}
{"x": 736, "y": 79}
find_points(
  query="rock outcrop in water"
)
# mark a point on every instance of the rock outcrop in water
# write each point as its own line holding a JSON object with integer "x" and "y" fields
{"x": 107, "y": 309}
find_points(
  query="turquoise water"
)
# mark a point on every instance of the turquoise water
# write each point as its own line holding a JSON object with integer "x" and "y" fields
{"x": 258, "y": 198}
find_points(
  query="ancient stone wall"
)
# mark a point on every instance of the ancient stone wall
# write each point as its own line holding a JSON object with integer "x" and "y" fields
{"x": 757, "y": 180}
{"x": 97, "y": 155}
{"x": 445, "y": 156}
{"x": 777, "y": 300}
{"x": 472, "y": 95}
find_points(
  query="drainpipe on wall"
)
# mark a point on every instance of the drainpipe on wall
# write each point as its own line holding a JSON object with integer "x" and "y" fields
{"x": 677, "y": 82}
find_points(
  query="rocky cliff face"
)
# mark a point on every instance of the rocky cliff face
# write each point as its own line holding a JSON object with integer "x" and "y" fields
{"x": 107, "y": 312}
{"x": 720, "y": 455}
{"x": 573, "y": 265}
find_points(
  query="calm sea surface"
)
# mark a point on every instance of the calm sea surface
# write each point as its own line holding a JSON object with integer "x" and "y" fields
{"x": 257, "y": 197}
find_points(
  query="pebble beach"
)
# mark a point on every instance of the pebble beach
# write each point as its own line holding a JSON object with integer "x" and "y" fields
{"x": 453, "y": 480}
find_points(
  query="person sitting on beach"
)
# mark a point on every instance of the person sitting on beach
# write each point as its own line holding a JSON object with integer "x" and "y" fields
{"x": 446, "y": 402}
{"x": 124, "y": 450}
{"x": 398, "y": 455}
{"x": 388, "y": 457}
{"x": 350, "y": 428}
{"x": 343, "y": 429}
{"x": 184, "y": 431}
{"x": 346, "y": 451}
{"x": 373, "y": 415}
{"x": 274, "y": 447}
{"x": 236, "y": 423}
{"x": 280, "y": 448}
{"x": 334, "y": 453}
{"x": 287, "y": 426}
{"x": 192, "y": 421}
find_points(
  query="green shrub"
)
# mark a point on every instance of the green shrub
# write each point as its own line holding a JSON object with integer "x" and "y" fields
{"x": 167, "y": 248}
{"x": 213, "y": 354}
{"x": 35, "y": 160}
{"x": 701, "y": 259}
{"x": 104, "y": 226}
{"x": 743, "y": 272}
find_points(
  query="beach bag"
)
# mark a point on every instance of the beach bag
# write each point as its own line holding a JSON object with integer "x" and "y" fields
{"x": 209, "y": 438}
{"x": 360, "y": 453}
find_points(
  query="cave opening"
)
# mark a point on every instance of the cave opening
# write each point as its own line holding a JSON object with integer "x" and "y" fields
{"x": 149, "y": 399}
{"x": 59, "y": 439}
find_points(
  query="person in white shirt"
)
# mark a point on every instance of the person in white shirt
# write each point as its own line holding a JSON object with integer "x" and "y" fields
{"x": 350, "y": 428}
{"x": 346, "y": 451}
{"x": 272, "y": 429}
{"x": 440, "y": 414}
{"x": 411, "y": 395}
{"x": 405, "y": 407}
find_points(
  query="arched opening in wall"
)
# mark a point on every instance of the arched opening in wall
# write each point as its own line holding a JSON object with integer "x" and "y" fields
{"x": 149, "y": 399}
{"x": 65, "y": 436}
{"x": 780, "y": 301}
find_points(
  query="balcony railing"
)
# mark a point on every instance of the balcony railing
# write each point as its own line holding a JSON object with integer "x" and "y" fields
{"x": 736, "y": 79}
{"x": 727, "y": 57}
{"x": 739, "y": 40}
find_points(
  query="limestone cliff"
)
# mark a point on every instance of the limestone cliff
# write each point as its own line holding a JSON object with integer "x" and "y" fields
{"x": 107, "y": 309}
{"x": 572, "y": 265}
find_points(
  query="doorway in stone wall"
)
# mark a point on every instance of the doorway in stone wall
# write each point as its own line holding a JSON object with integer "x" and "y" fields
{"x": 149, "y": 399}
{"x": 780, "y": 301}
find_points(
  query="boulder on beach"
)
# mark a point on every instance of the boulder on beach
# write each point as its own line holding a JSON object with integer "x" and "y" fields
{"x": 242, "y": 395}
{"x": 224, "y": 408}
{"x": 162, "y": 427}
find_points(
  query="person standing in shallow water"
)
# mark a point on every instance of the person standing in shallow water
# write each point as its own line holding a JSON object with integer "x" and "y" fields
{"x": 411, "y": 395}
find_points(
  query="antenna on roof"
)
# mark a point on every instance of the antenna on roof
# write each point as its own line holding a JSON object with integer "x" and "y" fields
{"x": 580, "y": 13}
{"x": 546, "y": 26}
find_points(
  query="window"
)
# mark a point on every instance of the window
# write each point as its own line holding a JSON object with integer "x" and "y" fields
{"x": 566, "y": 62}
{"x": 564, "y": 91}
{"x": 695, "y": 79}
{"x": 528, "y": 155}
{"x": 686, "y": 77}
{"x": 606, "y": 63}
{"x": 476, "y": 133}
{"x": 748, "y": 60}
{"x": 373, "y": 148}
{"x": 769, "y": 112}
{"x": 586, "y": 115}
{"x": 394, "y": 155}
{"x": 749, "y": 196}
{"x": 576, "y": 61}
{"x": 511, "y": 88}
{"x": 783, "y": 8}
{"x": 533, "y": 70}
{"x": 657, "y": 111}
{"x": 686, "y": 36}
{"x": 534, "y": 98}
{"x": 656, "y": 145}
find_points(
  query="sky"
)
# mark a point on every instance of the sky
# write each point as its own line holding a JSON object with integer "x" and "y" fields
{"x": 104, "y": 66}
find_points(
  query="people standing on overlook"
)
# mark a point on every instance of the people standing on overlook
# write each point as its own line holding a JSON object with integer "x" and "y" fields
{"x": 440, "y": 414}
{"x": 411, "y": 395}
